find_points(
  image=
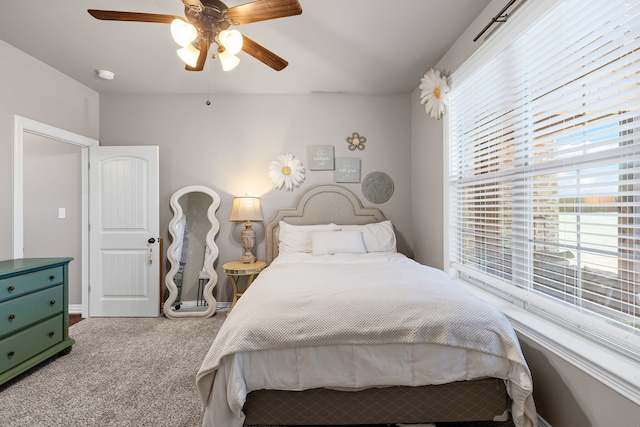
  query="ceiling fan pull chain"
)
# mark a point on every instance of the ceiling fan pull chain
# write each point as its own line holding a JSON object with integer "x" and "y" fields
{"x": 208, "y": 87}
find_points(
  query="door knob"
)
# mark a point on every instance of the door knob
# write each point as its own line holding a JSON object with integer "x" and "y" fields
{"x": 151, "y": 240}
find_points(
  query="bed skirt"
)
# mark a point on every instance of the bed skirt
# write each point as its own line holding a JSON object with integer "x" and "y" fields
{"x": 479, "y": 400}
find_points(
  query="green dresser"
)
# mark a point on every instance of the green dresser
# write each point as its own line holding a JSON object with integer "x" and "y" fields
{"x": 34, "y": 313}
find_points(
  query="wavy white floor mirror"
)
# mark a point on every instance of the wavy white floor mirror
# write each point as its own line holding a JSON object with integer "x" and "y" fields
{"x": 192, "y": 253}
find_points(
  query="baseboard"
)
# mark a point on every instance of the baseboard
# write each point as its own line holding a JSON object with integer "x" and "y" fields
{"x": 223, "y": 305}
{"x": 542, "y": 422}
{"x": 220, "y": 305}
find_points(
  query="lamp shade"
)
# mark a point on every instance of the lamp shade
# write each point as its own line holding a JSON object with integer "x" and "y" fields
{"x": 183, "y": 32}
{"x": 189, "y": 54}
{"x": 245, "y": 209}
{"x": 228, "y": 60}
{"x": 231, "y": 40}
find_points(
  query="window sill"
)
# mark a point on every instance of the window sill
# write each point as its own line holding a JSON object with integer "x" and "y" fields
{"x": 615, "y": 370}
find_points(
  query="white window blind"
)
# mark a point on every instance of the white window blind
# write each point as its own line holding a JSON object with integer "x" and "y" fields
{"x": 544, "y": 164}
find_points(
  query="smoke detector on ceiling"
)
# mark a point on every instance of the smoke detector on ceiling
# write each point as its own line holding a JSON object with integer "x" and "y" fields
{"x": 106, "y": 74}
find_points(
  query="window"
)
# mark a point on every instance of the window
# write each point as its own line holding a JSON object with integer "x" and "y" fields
{"x": 544, "y": 168}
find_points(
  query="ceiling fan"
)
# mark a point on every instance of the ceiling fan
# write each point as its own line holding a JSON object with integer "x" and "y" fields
{"x": 208, "y": 22}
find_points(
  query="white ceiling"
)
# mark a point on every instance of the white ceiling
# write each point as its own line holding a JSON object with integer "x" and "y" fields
{"x": 336, "y": 46}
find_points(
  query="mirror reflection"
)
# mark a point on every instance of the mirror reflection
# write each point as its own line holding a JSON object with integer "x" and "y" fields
{"x": 192, "y": 253}
{"x": 194, "y": 226}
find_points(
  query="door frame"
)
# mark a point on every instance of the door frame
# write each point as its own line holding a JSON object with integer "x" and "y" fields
{"x": 22, "y": 125}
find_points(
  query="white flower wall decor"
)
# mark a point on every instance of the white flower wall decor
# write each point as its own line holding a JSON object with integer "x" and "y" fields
{"x": 286, "y": 172}
{"x": 434, "y": 88}
{"x": 356, "y": 141}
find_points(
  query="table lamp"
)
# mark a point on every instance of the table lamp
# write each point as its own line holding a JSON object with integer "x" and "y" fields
{"x": 246, "y": 209}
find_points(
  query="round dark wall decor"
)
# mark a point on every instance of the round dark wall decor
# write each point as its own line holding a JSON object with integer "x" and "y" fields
{"x": 377, "y": 187}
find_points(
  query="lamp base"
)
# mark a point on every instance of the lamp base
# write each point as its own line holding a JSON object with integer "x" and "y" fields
{"x": 248, "y": 258}
{"x": 248, "y": 237}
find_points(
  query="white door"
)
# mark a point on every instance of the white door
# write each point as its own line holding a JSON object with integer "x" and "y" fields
{"x": 124, "y": 251}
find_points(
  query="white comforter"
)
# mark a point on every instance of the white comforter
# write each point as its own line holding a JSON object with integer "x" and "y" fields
{"x": 354, "y": 321}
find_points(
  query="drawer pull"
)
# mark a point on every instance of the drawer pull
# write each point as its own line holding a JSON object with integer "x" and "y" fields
{"x": 11, "y": 317}
{"x": 51, "y": 333}
{"x": 52, "y": 302}
{"x": 52, "y": 277}
{"x": 10, "y": 355}
{"x": 11, "y": 288}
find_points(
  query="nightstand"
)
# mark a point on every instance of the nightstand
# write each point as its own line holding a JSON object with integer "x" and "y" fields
{"x": 235, "y": 270}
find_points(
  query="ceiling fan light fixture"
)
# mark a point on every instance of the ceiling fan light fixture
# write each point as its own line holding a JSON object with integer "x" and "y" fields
{"x": 183, "y": 32}
{"x": 231, "y": 40}
{"x": 189, "y": 54}
{"x": 228, "y": 60}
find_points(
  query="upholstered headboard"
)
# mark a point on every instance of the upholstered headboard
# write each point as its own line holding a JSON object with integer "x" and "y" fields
{"x": 321, "y": 204}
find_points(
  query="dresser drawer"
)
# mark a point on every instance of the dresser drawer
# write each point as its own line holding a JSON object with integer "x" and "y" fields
{"x": 25, "y": 344}
{"x": 20, "y": 312}
{"x": 12, "y": 287}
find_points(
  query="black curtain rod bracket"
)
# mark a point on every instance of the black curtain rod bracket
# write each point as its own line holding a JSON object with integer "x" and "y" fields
{"x": 500, "y": 17}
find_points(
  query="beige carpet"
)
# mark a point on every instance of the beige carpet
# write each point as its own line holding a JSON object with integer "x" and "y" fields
{"x": 129, "y": 372}
{"x": 132, "y": 372}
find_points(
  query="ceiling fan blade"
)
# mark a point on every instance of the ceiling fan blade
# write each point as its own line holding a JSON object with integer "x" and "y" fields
{"x": 262, "y": 10}
{"x": 202, "y": 57}
{"x": 113, "y": 15}
{"x": 263, "y": 54}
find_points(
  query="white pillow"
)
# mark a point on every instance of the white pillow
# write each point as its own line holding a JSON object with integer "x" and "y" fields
{"x": 337, "y": 242}
{"x": 378, "y": 237}
{"x": 297, "y": 238}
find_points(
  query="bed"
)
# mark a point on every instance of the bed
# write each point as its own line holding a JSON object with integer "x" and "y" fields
{"x": 342, "y": 329}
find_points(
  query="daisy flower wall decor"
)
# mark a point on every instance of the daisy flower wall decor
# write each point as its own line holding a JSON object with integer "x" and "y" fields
{"x": 286, "y": 172}
{"x": 434, "y": 87}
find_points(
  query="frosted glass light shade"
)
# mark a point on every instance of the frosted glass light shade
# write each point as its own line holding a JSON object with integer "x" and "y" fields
{"x": 228, "y": 61}
{"x": 231, "y": 40}
{"x": 183, "y": 32}
{"x": 189, "y": 54}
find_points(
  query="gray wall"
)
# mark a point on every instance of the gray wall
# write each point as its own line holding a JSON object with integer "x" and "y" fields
{"x": 229, "y": 144}
{"x": 36, "y": 91}
{"x": 53, "y": 180}
{"x": 565, "y": 396}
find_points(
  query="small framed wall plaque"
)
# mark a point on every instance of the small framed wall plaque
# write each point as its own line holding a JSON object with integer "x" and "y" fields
{"x": 320, "y": 157}
{"x": 347, "y": 169}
